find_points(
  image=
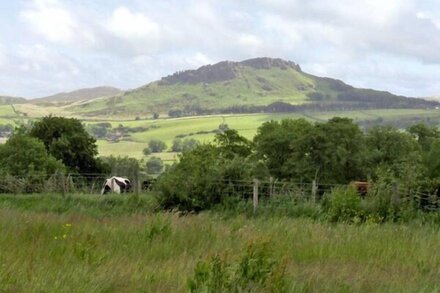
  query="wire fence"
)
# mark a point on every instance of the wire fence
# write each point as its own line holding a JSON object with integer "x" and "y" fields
{"x": 92, "y": 183}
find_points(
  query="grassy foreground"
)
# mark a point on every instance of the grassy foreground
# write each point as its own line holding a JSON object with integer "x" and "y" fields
{"x": 113, "y": 244}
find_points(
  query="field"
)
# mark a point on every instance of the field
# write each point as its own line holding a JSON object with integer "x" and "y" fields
{"x": 91, "y": 244}
{"x": 246, "y": 124}
{"x": 201, "y": 127}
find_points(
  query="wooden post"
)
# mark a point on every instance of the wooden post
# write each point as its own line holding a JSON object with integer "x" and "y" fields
{"x": 314, "y": 191}
{"x": 136, "y": 182}
{"x": 255, "y": 195}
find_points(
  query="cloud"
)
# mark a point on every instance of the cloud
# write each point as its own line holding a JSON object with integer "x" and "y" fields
{"x": 55, "y": 23}
{"x": 392, "y": 45}
{"x": 132, "y": 26}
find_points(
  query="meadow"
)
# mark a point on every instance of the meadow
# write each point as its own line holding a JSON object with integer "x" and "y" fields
{"x": 246, "y": 124}
{"x": 86, "y": 243}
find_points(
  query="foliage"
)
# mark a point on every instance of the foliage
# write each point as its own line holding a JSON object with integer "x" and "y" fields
{"x": 123, "y": 166}
{"x": 232, "y": 144}
{"x": 66, "y": 140}
{"x": 343, "y": 204}
{"x": 154, "y": 165}
{"x": 26, "y": 159}
{"x": 256, "y": 269}
{"x": 202, "y": 179}
{"x": 156, "y": 145}
{"x": 146, "y": 151}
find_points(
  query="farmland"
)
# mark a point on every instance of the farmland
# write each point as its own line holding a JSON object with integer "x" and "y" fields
{"x": 197, "y": 127}
{"x": 111, "y": 244}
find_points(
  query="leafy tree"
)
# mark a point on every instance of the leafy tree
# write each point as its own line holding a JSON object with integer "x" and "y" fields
{"x": 156, "y": 115}
{"x": 177, "y": 145}
{"x": 273, "y": 143}
{"x": 231, "y": 143}
{"x": 189, "y": 144}
{"x": 123, "y": 166}
{"x": 390, "y": 148}
{"x": 66, "y": 140}
{"x": 156, "y": 145}
{"x": 146, "y": 151}
{"x": 25, "y": 156}
{"x": 201, "y": 179}
{"x": 154, "y": 165}
{"x": 424, "y": 135}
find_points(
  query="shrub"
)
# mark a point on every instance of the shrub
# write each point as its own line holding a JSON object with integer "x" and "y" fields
{"x": 255, "y": 270}
{"x": 203, "y": 178}
{"x": 154, "y": 165}
{"x": 343, "y": 204}
{"x": 156, "y": 145}
{"x": 146, "y": 151}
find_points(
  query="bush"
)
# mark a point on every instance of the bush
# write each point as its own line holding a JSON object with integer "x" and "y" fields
{"x": 343, "y": 204}
{"x": 154, "y": 165}
{"x": 156, "y": 145}
{"x": 255, "y": 270}
{"x": 146, "y": 151}
{"x": 203, "y": 178}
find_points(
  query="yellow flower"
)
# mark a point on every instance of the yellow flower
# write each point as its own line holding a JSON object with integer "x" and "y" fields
{"x": 56, "y": 238}
{"x": 68, "y": 225}
{"x": 64, "y": 236}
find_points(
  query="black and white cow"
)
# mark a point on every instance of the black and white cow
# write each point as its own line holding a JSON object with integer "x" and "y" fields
{"x": 116, "y": 185}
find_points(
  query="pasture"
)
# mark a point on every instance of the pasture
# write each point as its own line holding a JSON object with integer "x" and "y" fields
{"x": 108, "y": 244}
{"x": 201, "y": 127}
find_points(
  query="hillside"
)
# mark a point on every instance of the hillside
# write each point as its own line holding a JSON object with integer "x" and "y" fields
{"x": 78, "y": 95}
{"x": 251, "y": 86}
{"x": 6, "y": 100}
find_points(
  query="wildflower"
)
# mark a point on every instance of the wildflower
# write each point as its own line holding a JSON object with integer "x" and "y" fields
{"x": 64, "y": 236}
{"x": 68, "y": 225}
{"x": 56, "y": 238}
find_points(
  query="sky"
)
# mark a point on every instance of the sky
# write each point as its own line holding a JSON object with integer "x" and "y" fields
{"x": 50, "y": 46}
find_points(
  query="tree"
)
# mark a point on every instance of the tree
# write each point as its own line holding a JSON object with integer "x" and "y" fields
{"x": 231, "y": 143}
{"x": 424, "y": 135}
{"x": 273, "y": 143}
{"x": 66, "y": 140}
{"x": 156, "y": 115}
{"x": 390, "y": 148}
{"x": 123, "y": 166}
{"x": 146, "y": 151}
{"x": 26, "y": 156}
{"x": 156, "y": 145}
{"x": 189, "y": 144}
{"x": 177, "y": 145}
{"x": 154, "y": 165}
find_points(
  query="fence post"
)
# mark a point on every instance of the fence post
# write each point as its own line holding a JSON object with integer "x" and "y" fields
{"x": 136, "y": 182}
{"x": 314, "y": 191}
{"x": 255, "y": 195}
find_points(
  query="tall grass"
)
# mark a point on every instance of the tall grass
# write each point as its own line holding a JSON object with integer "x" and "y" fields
{"x": 90, "y": 245}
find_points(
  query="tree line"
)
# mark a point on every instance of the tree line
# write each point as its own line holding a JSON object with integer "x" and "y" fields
{"x": 332, "y": 152}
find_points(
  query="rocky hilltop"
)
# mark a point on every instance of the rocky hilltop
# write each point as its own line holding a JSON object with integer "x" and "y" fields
{"x": 225, "y": 70}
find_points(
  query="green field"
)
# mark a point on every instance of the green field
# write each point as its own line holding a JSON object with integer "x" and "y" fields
{"x": 88, "y": 243}
{"x": 247, "y": 125}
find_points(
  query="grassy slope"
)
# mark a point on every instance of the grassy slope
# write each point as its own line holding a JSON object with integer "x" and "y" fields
{"x": 96, "y": 244}
{"x": 246, "y": 89}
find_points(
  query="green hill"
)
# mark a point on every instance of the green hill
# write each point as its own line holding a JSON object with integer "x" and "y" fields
{"x": 77, "y": 96}
{"x": 251, "y": 86}
{"x": 6, "y": 100}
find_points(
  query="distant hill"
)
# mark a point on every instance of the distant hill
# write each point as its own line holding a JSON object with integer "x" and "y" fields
{"x": 78, "y": 95}
{"x": 6, "y": 100}
{"x": 250, "y": 86}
